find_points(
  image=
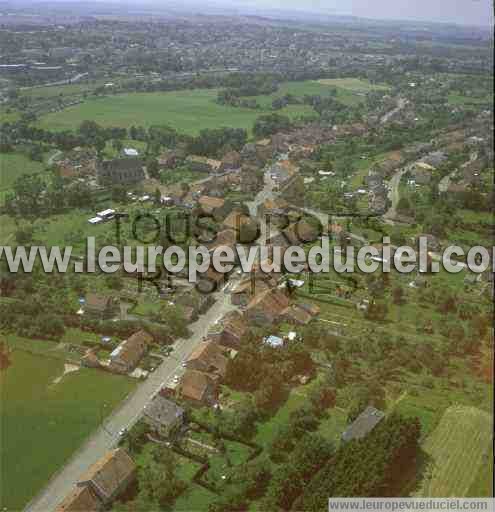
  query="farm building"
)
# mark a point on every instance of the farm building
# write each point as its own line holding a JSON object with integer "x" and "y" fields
{"x": 363, "y": 424}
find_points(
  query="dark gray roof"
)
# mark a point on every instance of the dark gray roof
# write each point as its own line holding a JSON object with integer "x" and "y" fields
{"x": 363, "y": 424}
{"x": 163, "y": 411}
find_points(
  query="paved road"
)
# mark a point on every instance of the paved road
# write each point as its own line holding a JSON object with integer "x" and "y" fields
{"x": 54, "y": 157}
{"x": 401, "y": 103}
{"x": 394, "y": 194}
{"x": 128, "y": 413}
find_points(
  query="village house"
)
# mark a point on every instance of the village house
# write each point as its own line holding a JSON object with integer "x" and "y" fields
{"x": 264, "y": 149}
{"x": 435, "y": 158}
{"x": 164, "y": 416}
{"x": 246, "y": 229}
{"x": 80, "y": 499}
{"x": 276, "y": 209}
{"x": 363, "y": 424}
{"x": 168, "y": 159}
{"x": 224, "y": 238}
{"x": 198, "y": 388}
{"x": 252, "y": 179}
{"x": 301, "y": 232}
{"x": 232, "y": 328}
{"x": 301, "y": 314}
{"x": 214, "y": 206}
{"x": 267, "y": 308}
{"x": 110, "y": 476}
{"x": 101, "y": 306}
{"x": 209, "y": 358}
{"x": 130, "y": 352}
{"x": 231, "y": 161}
{"x": 422, "y": 173}
{"x": 120, "y": 171}
{"x": 245, "y": 290}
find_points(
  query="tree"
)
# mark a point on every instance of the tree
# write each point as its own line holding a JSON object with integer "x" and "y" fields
{"x": 377, "y": 311}
{"x": 303, "y": 420}
{"x": 173, "y": 317}
{"x": 117, "y": 145}
{"x": 273, "y": 391}
{"x": 157, "y": 477}
{"x": 36, "y": 153}
{"x": 157, "y": 196}
{"x": 153, "y": 168}
{"x": 404, "y": 206}
{"x": 322, "y": 397}
{"x": 398, "y": 295}
{"x": 24, "y": 235}
{"x": 4, "y": 356}
{"x": 269, "y": 124}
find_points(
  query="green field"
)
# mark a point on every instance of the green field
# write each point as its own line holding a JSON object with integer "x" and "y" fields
{"x": 43, "y": 423}
{"x": 186, "y": 111}
{"x": 13, "y": 165}
{"x": 191, "y": 111}
{"x": 460, "y": 100}
{"x": 459, "y": 449}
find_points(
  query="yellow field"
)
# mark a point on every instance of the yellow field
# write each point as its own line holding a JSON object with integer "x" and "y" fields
{"x": 460, "y": 450}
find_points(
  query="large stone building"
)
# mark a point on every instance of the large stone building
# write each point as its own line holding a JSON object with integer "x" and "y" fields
{"x": 120, "y": 171}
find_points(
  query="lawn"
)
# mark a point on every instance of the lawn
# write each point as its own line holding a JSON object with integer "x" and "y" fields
{"x": 194, "y": 498}
{"x": 13, "y": 165}
{"x": 186, "y": 111}
{"x": 459, "y": 449}
{"x": 43, "y": 422}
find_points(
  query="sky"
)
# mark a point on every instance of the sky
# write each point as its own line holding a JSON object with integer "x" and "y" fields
{"x": 465, "y": 12}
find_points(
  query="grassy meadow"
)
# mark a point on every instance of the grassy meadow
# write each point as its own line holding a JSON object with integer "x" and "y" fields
{"x": 187, "y": 111}
{"x": 191, "y": 111}
{"x": 459, "y": 449}
{"x": 13, "y": 165}
{"x": 43, "y": 422}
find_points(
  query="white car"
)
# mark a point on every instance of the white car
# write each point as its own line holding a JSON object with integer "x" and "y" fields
{"x": 122, "y": 432}
{"x": 176, "y": 378}
{"x": 184, "y": 364}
